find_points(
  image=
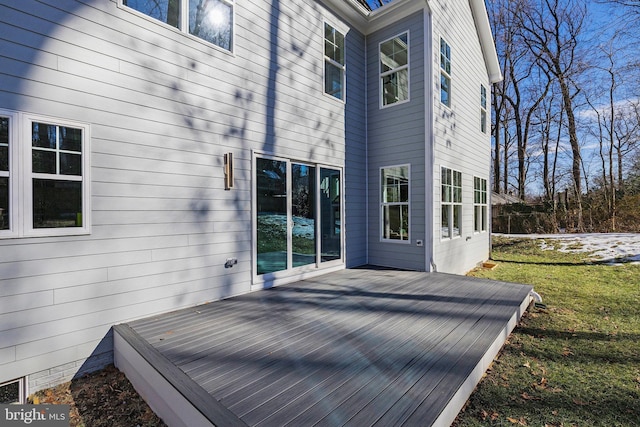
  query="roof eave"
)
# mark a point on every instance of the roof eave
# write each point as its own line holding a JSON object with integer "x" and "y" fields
{"x": 367, "y": 21}
{"x": 487, "y": 43}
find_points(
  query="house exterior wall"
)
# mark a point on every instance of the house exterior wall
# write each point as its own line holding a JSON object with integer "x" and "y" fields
{"x": 458, "y": 141}
{"x": 397, "y": 137}
{"x": 162, "y": 108}
{"x": 356, "y": 153}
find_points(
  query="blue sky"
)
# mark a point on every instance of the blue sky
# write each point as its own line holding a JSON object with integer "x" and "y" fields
{"x": 376, "y": 3}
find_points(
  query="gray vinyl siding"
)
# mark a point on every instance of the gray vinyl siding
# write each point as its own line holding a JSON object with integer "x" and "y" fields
{"x": 163, "y": 108}
{"x": 458, "y": 141}
{"x": 397, "y": 136}
{"x": 356, "y": 153}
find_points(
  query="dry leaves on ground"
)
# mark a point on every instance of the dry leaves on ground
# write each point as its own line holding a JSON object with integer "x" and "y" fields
{"x": 104, "y": 398}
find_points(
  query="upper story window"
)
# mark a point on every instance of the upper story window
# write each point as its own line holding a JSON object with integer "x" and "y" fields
{"x": 395, "y": 203}
{"x": 451, "y": 203}
{"x": 394, "y": 70}
{"x": 479, "y": 204}
{"x": 210, "y": 20}
{"x": 333, "y": 62}
{"x": 5, "y": 176}
{"x": 52, "y": 174}
{"x": 483, "y": 109}
{"x": 445, "y": 73}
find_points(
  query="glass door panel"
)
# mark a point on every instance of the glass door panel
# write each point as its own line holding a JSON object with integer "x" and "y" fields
{"x": 303, "y": 213}
{"x": 330, "y": 217}
{"x": 272, "y": 219}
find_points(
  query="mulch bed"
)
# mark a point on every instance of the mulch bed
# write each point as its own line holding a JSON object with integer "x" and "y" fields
{"x": 103, "y": 398}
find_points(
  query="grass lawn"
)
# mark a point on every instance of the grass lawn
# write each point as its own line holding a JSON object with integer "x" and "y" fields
{"x": 575, "y": 362}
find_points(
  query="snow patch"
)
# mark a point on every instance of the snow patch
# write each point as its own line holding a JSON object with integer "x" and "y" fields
{"x": 610, "y": 248}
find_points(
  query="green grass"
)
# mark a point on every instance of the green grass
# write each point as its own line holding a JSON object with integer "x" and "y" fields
{"x": 575, "y": 362}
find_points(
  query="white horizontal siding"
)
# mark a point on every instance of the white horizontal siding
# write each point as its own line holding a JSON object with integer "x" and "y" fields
{"x": 458, "y": 141}
{"x": 163, "y": 108}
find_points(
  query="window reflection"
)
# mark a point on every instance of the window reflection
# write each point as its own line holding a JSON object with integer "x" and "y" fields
{"x": 212, "y": 21}
{"x": 57, "y": 203}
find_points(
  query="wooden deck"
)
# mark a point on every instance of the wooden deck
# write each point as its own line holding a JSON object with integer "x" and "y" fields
{"x": 355, "y": 347}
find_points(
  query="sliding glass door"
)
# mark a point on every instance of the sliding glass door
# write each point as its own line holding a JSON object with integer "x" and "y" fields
{"x": 272, "y": 215}
{"x": 303, "y": 196}
{"x": 298, "y": 215}
{"x": 330, "y": 214}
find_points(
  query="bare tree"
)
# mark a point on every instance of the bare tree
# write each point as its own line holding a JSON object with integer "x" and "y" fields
{"x": 551, "y": 30}
{"x": 605, "y": 118}
{"x": 519, "y": 95}
{"x": 549, "y": 119}
{"x": 633, "y": 4}
{"x": 503, "y": 32}
{"x": 627, "y": 134}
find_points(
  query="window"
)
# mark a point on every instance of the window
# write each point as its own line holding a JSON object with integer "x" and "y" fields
{"x": 395, "y": 203}
{"x": 5, "y": 176}
{"x": 52, "y": 173}
{"x": 12, "y": 392}
{"x": 210, "y": 20}
{"x": 479, "y": 204}
{"x": 483, "y": 109}
{"x": 56, "y": 166}
{"x": 445, "y": 73}
{"x": 451, "y": 208}
{"x": 333, "y": 62}
{"x": 394, "y": 70}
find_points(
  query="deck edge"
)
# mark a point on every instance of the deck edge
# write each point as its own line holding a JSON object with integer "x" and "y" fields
{"x": 171, "y": 394}
{"x": 466, "y": 389}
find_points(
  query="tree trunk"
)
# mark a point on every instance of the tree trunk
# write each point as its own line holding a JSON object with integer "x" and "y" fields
{"x": 496, "y": 138}
{"x": 576, "y": 163}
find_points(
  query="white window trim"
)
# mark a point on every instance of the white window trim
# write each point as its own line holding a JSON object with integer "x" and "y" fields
{"x": 450, "y": 205}
{"x": 483, "y": 109}
{"x": 484, "y": 225}
{"x": 21, "y": 177}
{"x": 383, "y": 204}
{"x": 14, "y": 214}
{"x": 381, "y": 75}
{"x": 22, "y": 389}
{"x": 337, "y": 64}
{"x": 184, "y": 24}
{"x": 27, "y": 179}
{"x": 443, "y": 72}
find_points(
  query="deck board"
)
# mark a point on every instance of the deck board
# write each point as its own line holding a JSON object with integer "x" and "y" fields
{"x": 354, "y": 347}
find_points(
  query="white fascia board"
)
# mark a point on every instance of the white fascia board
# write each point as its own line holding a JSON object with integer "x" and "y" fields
{"x": 394, "y": 11}
{"x": 353, "y": 12}
{"x": 481, "y": 18}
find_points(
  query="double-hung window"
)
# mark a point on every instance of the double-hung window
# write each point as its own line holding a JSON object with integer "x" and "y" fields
{"x": 52, "y": 172}
{"x": 333, "y": 62}
{"x": 395, "y": 203}
{"x": 210, "y": 20}
{"x": 7, "y": 187}
{"x": 394, "y": 70}
{"x": 451, "y": 203}
{"x": 445, "y": 73}
{"x": 483, "y": 109}
{"x": 479, "y": 204}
